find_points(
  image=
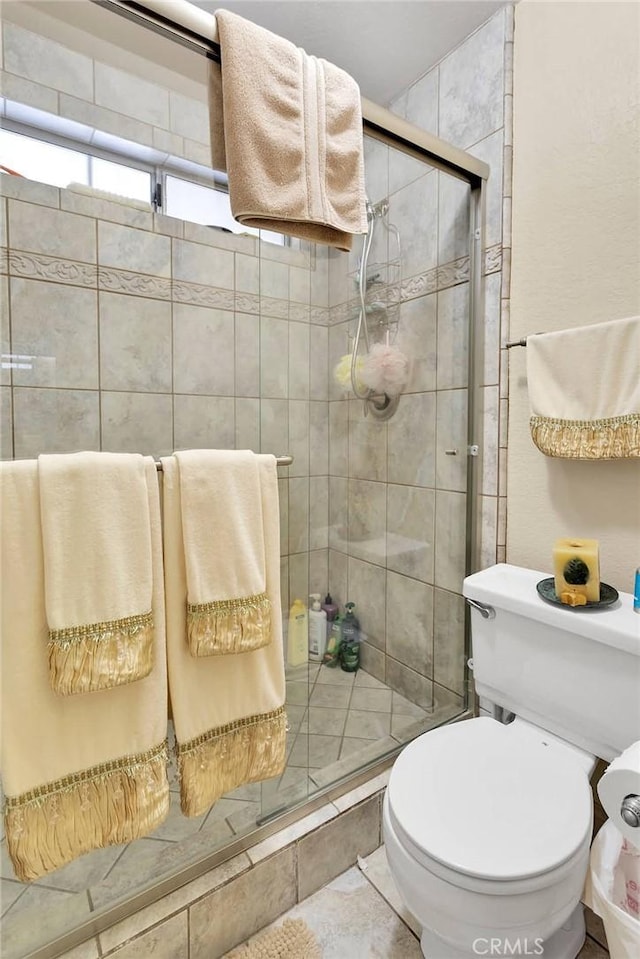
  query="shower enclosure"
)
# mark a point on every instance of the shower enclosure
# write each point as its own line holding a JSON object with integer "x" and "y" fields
{"x": 143, "y": 324}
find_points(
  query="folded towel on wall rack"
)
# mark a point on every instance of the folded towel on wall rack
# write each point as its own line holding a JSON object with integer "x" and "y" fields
{"x": 228, "y": 609}
{"x": 79, "y": 772}
{"x": 228, "y": 711}
{"x": 96, "y": 533}
{"x": 584, "y": 391}
{"x": 287, "y": 128}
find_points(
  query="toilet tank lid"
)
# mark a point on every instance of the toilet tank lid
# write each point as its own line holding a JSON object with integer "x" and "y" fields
{"x": 513, "y": 588}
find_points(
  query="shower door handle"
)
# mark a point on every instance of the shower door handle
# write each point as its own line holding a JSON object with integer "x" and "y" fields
{"x": 450, "y": 452}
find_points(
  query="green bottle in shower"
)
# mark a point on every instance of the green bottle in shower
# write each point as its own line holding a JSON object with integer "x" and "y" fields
{"x": 350, "y": 648}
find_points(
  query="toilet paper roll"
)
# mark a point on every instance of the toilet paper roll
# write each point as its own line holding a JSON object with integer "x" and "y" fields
{"x": 622, "y": 779}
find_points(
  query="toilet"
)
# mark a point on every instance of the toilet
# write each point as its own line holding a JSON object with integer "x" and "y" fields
{"x": 487, "y": 824}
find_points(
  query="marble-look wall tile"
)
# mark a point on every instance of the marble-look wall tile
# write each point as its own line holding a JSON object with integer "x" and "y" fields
{"x": 247, "y": 273}
{"x": 274, "y": 357}
{"x": 247, "y": 358}
{"x": 367, "y": 589}
{"x": 411, "y": 531}
{"x": 376, "y": 169}
{"x": 130, "y": 95}
{"x": 5, "y": 332}
{"x": 298, "y": 514}
{"x": 274, "y": 426}
{"x": 107, "y": 123}
{"x": 451, "y": 434}
{"x": 411, "y": 441}
{"x": 339, "y": 346}
{"x": 128, "y": 249}
{"x": 319, "y": 571}
{"x": 338, "y": 512}
{"x": 236, "y": 911}
{"x": 488, "y": 534}
{"x": 318, "y": 438}
{"x": 106, "y": 210}
{"x": 417, "y": 339}
{"x": 298, "y": 361}
{"x": 339, "y": 438}
{"x": 322, "y": 855}
{"x": 413, "y": 209}
{"x": 367, "y": 445}
{"x": 165, "y": 941}
{"x": 135, "y": 343}
{"x": 39, "y": 59}
{"x": 492, "y": 329}
{"x": 203, "y": 422}
{"x": 56, "y": 326}
{"x": 453, "y": 218}
{"x": 453, "y": 337}
{"x": 6, "y": 423}
{"x": 367, "y": 506}
{"x": 207, "y": 265}
{"x": 55, "y": 421}
{"x": 203, "y": 351}
{"x": 421, "y": 104}
{"x": 19, "y": 188}
{"x": 31, "y": 94}
{"x": 338, "y": 577}
{"x": 299, "y": 577}
{"x": 489, "y": 412}
{"x": 137, "y": 423}
{"x": 189, "y": 117}
{"x": 319, "y": 512}
{"x": 299, "y": 285}
{"x": 450, "y": 539}
{"x": 319, "y": 362}
{"x": 283, "y": 498}
{"x": 299, "y": 437}
{"x": 472, "y": 86}
{"x": 373, "y": 660}
{"x": 274, "y": 278}
{"x": 448, "y": 640}
{"x": 414, "y": 686}
{"x": 410, "y": 623}
{"x": 54, "y": 232}
{"x": 319, "y": 277}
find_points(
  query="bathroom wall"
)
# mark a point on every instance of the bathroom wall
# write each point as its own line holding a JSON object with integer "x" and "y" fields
{"x": 397, "y": 501}
{"x": 576, "y": 256}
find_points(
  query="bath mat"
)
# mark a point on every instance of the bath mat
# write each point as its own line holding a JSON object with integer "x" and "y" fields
{"x": 292, "y": 940}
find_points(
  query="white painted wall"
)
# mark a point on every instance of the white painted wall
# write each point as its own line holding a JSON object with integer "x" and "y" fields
{"x": 576, "y": 256}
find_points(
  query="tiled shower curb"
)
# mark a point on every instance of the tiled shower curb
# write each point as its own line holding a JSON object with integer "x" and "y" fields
{"x": 212, "y": 914}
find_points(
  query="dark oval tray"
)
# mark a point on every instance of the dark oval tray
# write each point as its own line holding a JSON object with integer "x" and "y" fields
{"x": 547, "y": 589}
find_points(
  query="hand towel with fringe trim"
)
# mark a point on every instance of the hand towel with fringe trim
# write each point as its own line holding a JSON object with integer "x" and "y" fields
{"x": 228, "y": 610}
{"x": 79, "y": 772}
{"x": 228, "y": 711}
{"x": 287, "y": 128}
{"x": 96, "y": 535}
{"x": 584, "y": 391}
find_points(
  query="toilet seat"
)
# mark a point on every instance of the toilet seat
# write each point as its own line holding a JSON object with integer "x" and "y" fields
{"x": 486, "y": 802}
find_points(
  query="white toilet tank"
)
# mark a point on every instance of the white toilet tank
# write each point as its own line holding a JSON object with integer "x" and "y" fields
{"x": 571, "y": 671}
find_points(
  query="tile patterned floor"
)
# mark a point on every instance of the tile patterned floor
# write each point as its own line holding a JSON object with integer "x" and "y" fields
{"x": 360, "y": 916}
{"x": 337, "y": 722}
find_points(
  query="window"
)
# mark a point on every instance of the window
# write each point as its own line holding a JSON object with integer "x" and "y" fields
{"x": 204, "y": 204}
{"x": 61, "y": 166}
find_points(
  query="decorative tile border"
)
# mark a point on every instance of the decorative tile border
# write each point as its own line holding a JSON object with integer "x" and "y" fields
{"x": 134, "y": 284}
{"x": 432, "y": 281}
{"x": 269, "y": 306}
{"x": 199, "y": 295}
{"x": 37, "y": 266}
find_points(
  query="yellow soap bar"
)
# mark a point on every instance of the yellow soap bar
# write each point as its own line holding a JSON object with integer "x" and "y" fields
{"x": 576, "y": 567}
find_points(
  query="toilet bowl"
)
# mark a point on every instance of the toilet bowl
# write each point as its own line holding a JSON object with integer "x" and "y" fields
{"x": 487, "y": 830}
{"x": 488, "y": 826}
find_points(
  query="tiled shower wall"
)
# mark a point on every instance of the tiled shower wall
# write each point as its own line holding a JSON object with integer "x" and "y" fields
{"x": 133, "y": 332}
{"x": 397, "y": 501}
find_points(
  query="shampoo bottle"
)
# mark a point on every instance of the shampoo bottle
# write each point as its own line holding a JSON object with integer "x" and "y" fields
{"x": 350, "y": 649}
{"x": 332, "y": 655}
{"x": 317, "y": 629}
{"x": 331, "y": 610}
{"x": 298, "y": 634}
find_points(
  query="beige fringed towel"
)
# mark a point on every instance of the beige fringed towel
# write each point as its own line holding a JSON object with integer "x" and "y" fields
{"x": 287, "y": 128}
{"x": 79, "y": 772}
{"x": 228, "y": 610}
{"x": 96, "y": 535}
{"x": 228, "y": 711}
{"x": 584, "y": 391}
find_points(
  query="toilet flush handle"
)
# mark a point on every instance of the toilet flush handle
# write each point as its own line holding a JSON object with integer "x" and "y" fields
{"x": 630, "y": 810}
{"x": 487, "y": 612}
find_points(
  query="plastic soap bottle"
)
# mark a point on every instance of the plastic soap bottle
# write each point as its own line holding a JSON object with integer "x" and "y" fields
{"x": 350, "y": 649}
{"x": 298, "y": 634}
{"x": 332, "y": 655}
{"x": 331, "y": 610}
{"x": 317, "y": 629}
